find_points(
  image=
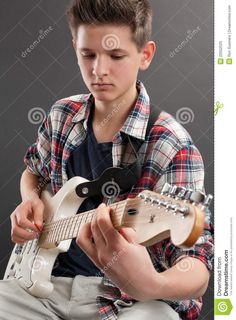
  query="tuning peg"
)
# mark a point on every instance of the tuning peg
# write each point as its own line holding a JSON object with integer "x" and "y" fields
{"x": 148, "y": 198}
{"x": 197, "y": 197}
{"x": 141, "y": 196}
{"x": 207, "y": 201}
{"x": 155, "y": 201}
{"x": 181, "y": 192}
{"x": 173, "y": 191}
{"x": 188, "y": 194}
{"x": 166, "y": 188}
{"x": 183, "y": 210}
{"x": 168, "y": 205}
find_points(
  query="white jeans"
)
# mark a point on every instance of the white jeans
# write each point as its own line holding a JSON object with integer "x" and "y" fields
{"x": 72, "y": 299}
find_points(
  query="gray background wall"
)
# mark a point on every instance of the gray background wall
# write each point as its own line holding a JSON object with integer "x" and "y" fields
{"x": 49, "y": 72}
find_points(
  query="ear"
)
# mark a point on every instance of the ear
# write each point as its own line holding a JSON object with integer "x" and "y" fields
{"x": 74, "y": 44}
{"x": 75, "y": 48}
{"x": 147, "y": 55}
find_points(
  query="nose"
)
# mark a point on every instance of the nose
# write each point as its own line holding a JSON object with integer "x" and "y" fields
{"x": 100, "y": 67}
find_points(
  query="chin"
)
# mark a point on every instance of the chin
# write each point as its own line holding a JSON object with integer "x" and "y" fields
{"x": 104, "y": 96}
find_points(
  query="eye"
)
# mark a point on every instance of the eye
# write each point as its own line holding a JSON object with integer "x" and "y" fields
{"x": 117, "y": 57}
{"x": 88, "y": 55}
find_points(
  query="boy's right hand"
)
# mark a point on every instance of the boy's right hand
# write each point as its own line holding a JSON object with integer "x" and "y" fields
{"x": 27, "y": 220}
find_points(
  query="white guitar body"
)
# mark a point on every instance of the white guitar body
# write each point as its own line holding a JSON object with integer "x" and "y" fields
{"x": 33, "y": 266}
{"x": 153, "y": 216}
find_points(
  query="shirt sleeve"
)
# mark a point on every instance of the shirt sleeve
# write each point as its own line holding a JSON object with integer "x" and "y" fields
{"x": 187, "y": 169}
{"x": 38, "y": 155}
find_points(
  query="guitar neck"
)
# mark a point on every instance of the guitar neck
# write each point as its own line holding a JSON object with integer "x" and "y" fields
{"x": 68, "y": 228}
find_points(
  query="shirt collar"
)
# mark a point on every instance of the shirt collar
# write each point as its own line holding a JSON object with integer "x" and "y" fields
{"x": 84, "y": 111}
{"x": 137, "y": 121}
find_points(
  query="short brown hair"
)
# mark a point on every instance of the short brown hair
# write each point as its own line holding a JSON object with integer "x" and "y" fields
{"x": 134, "y": 13}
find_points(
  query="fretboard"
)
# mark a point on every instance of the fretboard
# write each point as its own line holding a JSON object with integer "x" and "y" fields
{"x": 68, "y": 228}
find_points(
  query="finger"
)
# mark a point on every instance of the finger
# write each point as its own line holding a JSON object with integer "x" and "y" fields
{"x": 21, "y": 215}
{"x": 83, "y": 240}
{"x": 17, "y": 231}
{"x": 129, "y": 234}
{"x": 110, "y": 234}
{"x": 96, "y": 232}
{"x": 18, "y": 240}
{"x": 38, "y": 210}
{"x": 24, "y": 234}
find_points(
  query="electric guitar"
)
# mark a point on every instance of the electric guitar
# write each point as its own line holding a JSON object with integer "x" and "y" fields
{"x": 175, "y": 212}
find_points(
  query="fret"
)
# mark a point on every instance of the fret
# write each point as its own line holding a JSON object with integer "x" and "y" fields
{"x": 79, "y": 224}
{"x": 72, "y": 231}
{"x": 68, "y": 227}
{"x": 89, "y": 216}
{"x": 49, "y": 235}
{"x": 67, "y": 224}
{"x": 114, "y": 216}
{"x": 59, "y": 229}
{"x": 62, "y": 233}
{"x": 83, "y": 216}
{"x": 52, "y": 233}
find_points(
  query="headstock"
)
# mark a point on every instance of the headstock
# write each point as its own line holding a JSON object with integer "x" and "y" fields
{"x": 176, "y": 212}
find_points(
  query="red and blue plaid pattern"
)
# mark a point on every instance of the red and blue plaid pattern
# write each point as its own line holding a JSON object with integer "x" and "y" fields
{"x": 167, "y": 154}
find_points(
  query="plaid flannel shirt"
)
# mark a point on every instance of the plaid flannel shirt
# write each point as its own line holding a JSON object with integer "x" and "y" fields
{"x": 167, "y": 154}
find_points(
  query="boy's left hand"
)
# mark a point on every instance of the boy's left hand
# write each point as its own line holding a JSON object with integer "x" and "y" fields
{"x": 118, "y": 255}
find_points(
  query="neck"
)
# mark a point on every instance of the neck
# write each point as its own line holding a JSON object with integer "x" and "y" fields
{"x": 116, "y": 111}
{"x": 68, "y": 228}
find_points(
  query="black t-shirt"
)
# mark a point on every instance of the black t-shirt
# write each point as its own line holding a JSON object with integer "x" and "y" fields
{"x": 89, "y": 160}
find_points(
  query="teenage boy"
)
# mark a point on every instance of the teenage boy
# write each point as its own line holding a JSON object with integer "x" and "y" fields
{"x": 85, "y": 134}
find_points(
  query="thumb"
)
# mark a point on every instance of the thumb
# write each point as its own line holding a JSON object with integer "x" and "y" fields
{"x": 129, "y": 234}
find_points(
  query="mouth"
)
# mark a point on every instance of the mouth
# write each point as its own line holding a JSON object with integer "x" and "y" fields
{"x": 102, "y": 85}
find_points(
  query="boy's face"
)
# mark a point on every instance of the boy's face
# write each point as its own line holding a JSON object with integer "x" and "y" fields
{"x": 109, "y": 60}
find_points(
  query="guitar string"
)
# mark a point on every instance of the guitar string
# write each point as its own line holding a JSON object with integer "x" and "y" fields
{"x": 48, "y": 225}
{"x": 118, "y": 213}
{"x": 73, "y": 234}
{"x": 52, "y": 230}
